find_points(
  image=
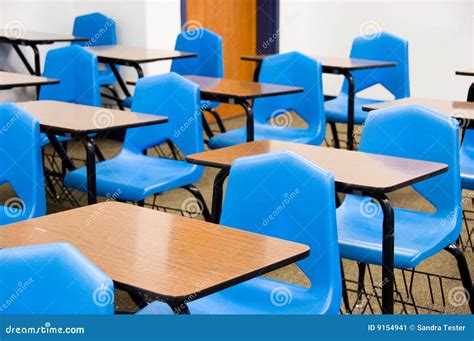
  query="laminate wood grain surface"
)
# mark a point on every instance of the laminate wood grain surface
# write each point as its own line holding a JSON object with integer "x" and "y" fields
{"x": 79, "y": 119}
{"x": 14, "y": 80}
{"x": 171, "y": 256}
{"x": 351, "y": 169}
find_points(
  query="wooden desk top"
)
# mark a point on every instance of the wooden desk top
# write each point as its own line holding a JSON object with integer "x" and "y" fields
{"x": 224, "y": 89}
{"x": 352, "y": 170}
{"x": 124, "y": 54}
{"x": 68, "y": 118}
{"x": 171, "y": 256}
{"x": 466, "y": 72}
{"x": 332, "y": 64}
{"x": 463, "y": 111}
{"x": 37, "y": 37}
{"x": 10, "y": 80}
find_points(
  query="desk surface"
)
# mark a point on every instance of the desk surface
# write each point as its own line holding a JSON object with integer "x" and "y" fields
{"x": 466, "y": 72}
{"x": 460, "y": 110}
{"x": 10, "y": 80}
{"x": 352, "y": 170}
{"x": 222, "y": 88}
{"x": 125, "y": 54}
{"x": 61, "y": 117}
{"x": 336, "y": 63}
{"x": 171, "y": 256}
{"x": 20, "y": 36}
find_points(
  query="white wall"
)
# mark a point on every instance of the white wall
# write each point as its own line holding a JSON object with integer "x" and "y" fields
{"x": 440, "y": 35}
{"x": 140, "y": 23}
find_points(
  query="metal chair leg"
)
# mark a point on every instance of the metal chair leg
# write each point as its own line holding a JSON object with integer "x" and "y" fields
{"x": 334, "y": 135}
{"x": 345, "y": 296}
{"x": 197, "y": 194}
{"x": 218, "y": 119}
{"x": 141, "y": 203}
{"x": 206, "y": 127}
{"x": 360, "y": 279}
{"x": 464, "y": 272}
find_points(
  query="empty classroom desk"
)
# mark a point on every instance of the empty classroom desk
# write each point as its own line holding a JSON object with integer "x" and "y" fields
{"x": 460, "y": 110}
{"x": 337, "y": 66}
{"x": 32, "y": 39}
{"x": 10, "y": 80}
{"x": 78, "y": 121}
{"x": 171, "y": 258}
{"x": 354, "y": 173}
{"x": 132, "y": 56}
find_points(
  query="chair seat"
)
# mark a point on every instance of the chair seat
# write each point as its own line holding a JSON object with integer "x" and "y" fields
{"x": 265, "y": 132}
{"x": 258, "y": 296}
{"x": 336, "y": 109}
{"x": 418, "y": 235}
{"x": 45, "y": 140}
{"x": 106, "y": 76}
{"x": 135, "y": 177}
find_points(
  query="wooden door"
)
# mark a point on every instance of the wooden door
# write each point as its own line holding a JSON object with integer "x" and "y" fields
{"x": 236, "y": 22}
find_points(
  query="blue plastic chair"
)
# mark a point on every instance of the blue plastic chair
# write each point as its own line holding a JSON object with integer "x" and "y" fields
{"x": 52, "y": 279}
{"x": 101, "y": 31}
{"x": 284, "y": 196}
{"x": 467, "y": 160}
{"x": 208, "y": 62}
{"x": 417, "y": 133}
{"x": 21, "y": 165}
{"x": 134, "y": 176}
{"x": 294, "y": 69}
{"x": 78, "y": 73}
{"x": 384, "y": 47}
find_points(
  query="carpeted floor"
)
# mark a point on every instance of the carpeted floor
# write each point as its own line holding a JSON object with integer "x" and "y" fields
{"x": 433, "y": 293}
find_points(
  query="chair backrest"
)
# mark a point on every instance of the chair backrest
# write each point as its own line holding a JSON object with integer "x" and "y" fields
{"x": 21, "y": 163}
{"x": 96, "y": 26}
{"x": 293, "y": 69}
{"x": 416, "y": 132}
{"x": 78, "y": 73}
{"x": 383, "y": 47}
{"x": 52, "y": 279}
{"x": 208, "y": 47}
{"x": 177, "y": 98}
{"x": 285, "y": 196}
